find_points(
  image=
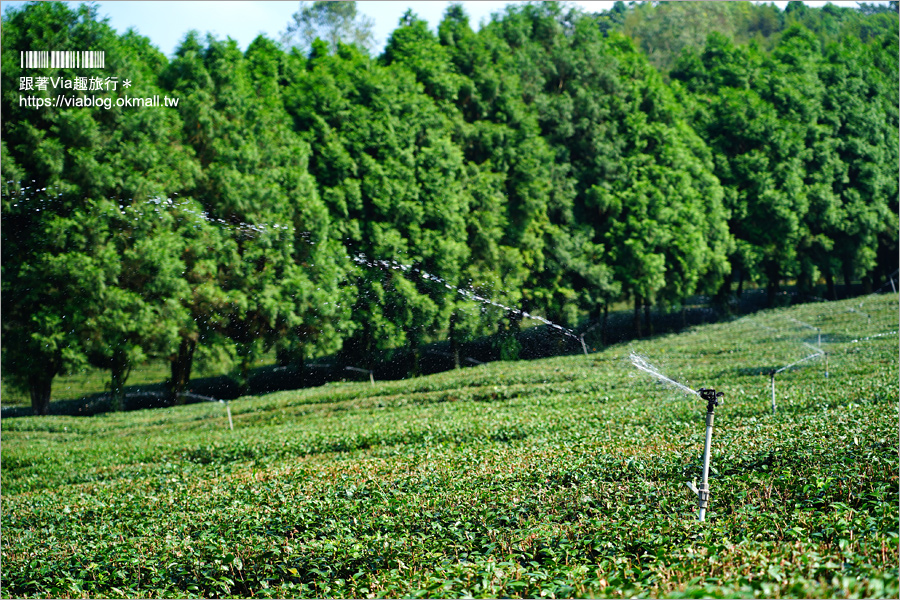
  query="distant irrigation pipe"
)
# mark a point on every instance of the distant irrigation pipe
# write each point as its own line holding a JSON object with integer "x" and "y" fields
{"x": 210, "y": 399}
{"x": 890, "y": 282}
{"x": 808, "y": 326}
{"x": 201, "y": 398}
{"x": 819, "y": 352}
{"x": 184, "y": 396}
{"x": 228, "y": 410}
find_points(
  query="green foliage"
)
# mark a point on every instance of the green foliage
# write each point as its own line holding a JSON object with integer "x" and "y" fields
{"x": 391, "y": 176}
{"x": 664, "y": 30}
{"x": 274, "y": 276}
{"x": 789, "y": 131}
{"x": 323, "y": 201}
{"x": 78, "y": 165}
{"x": 334, "y": 22}
{"x": 559, "y": 477}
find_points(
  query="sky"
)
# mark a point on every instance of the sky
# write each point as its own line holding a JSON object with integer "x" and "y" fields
{"x": 166, "y": 22}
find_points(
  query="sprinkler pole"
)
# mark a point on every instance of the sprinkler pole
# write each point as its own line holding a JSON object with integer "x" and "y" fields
{"x": 712, "y": 400}
{"x": 583, "y": 347}
{"x": 772, "y": 374}
{"x": 228, "y": 410}
{"x": 826, "y": 365}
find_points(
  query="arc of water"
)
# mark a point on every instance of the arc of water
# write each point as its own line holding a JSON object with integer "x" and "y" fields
{"x": 641, "y": 363}
{"x": 802, "y": 324}
{"x": 169, "y": 203}
{"x": 397, "y": 266}
{"x": 204, "y": 215}
{"x": 802, "y": 360}
{"x": 813, "y": 348}
{"x": 872, "y": 337}
{"x": 818, "y": 330}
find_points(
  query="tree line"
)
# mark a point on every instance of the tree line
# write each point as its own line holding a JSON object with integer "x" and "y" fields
{"x": 558, "y": 161}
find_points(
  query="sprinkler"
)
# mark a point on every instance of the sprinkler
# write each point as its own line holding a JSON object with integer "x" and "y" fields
{"x": 712, "y": 398}
{"x": 772, "y": 375}
{"x": 807, "y": 325}
{"x": 228, "y": 410}
{"x": 818, "y": 352}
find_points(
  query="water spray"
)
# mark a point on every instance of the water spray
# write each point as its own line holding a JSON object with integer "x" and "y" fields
{"x": 818, "y": 330}
{"x": 358, "y": 370}
{"x": 641, "y": 363}
{"x": 712, "y": 401}
{"x": 872, "y": 337}
{"x": 362, "y": 259}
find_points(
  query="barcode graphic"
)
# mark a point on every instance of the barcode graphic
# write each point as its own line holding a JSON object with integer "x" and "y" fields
{"x": 62, "y": 59}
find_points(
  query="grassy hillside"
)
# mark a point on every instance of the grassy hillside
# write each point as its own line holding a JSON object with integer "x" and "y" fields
{"x": 558, "y": 477}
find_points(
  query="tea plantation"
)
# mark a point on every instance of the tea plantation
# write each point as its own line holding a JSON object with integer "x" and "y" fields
{"x": 554, "y": 478}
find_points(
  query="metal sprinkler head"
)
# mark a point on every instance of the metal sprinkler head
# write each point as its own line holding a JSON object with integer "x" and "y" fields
{"x": 712, "y": 398}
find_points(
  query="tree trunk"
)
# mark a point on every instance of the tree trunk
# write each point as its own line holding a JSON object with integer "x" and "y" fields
{"x": 181, "y": 369}
{"x": 120, "y": 370}
{"x": 368, "y": 346}
{"x": 647, "y": 318}
{"x": 508, "y": 337}
{"x": 241, "y": 376}
{"x": 637, "y": 315}
{"x": 454, "y": 341}
{"x": 773, "y": 277}
{"x": 848, "y": 279}
{"x": 604, "y": 333}
{"x": 829, "y": 282}
{"x": 723, "y": 296}
{"x": 804, "y": 283}
{"x": 416, "y": 355}
{"x": 39, "y": 385}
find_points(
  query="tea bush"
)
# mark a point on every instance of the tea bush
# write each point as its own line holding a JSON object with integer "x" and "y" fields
{"x": 559, "y": 477}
